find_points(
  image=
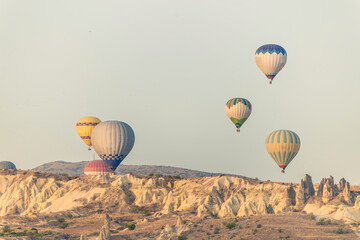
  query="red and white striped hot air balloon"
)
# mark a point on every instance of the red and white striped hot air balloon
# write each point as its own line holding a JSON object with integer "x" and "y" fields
{"x": 97, "y": 167}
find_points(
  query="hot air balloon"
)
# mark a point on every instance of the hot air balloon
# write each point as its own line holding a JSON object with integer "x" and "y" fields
{"x": 270, "y": 58}
{"x": 112, "y": 141}
{"x": 97, "y": 167}
{"x": 7, "y": 165}
{"x": 283, "y": 145}
{"x": 238, "y": 110}
{"x": 84, "y": 127}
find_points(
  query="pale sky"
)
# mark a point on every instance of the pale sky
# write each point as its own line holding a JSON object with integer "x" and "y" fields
{"x": 167, "y": 68}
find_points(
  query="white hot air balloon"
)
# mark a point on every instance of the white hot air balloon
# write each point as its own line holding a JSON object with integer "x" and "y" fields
{"x": 238, "y": 110}
{"x": 270, "y": 58}
{"x": 112, "y": 141}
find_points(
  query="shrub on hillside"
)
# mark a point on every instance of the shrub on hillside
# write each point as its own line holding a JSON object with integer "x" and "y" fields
{"x": 131, "y": 226}
{"x": 63, "y": 225}
{"x": 230, "y": 225}
{"x": 322, "y": 221}
{"x": 6, "y": 229}
{"x": 341, "y": 231}
{"x": 311, "y": 216}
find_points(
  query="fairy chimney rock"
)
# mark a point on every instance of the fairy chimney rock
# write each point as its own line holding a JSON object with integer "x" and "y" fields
{"x": 342, "y": 184}
{"x": 83, "y": 236}
{"x": 107, "y": 221}
{"x": 290, "y": 196}
{"x": 327, "y": 189}
{"x": 346, "y": 192}
{"x": 306, "y": 189}
{"x": 105, "y": 230}
{"x": 179, "y": 221}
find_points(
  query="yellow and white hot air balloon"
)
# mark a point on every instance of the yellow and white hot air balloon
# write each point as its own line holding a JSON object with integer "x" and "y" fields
{"x": 84, "y": 128}
{"x": 282, "y": 146}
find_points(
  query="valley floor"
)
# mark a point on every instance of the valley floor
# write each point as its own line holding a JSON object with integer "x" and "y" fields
{"x": 270, "y": 226}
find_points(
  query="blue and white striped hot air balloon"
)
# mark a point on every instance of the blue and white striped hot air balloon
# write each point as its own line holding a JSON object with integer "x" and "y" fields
{"x": 270, "y": 58}
{"x": 112, "y": 141}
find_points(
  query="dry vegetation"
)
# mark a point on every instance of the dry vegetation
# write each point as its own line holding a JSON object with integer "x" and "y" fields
{"x": 281, "y": 226}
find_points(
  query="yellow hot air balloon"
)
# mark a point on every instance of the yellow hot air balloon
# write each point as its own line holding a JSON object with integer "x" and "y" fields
{"x": 84, "y": 128}
{"x": 283, "y": 145}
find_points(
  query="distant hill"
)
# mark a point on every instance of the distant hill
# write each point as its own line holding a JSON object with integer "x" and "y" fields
{"x": 77, "y": 168}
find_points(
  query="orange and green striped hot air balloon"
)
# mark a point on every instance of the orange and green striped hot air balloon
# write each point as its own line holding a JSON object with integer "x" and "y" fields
{"x": 238, "y": 110}
{"x": 84, "y": 128}
{"x": 282, "y": 146}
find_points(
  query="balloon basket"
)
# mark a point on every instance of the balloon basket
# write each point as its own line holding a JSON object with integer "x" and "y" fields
{"x": 238, "y": 130}
{"x": 89, "y": 149}
{"x": 283, "y": 171}
{"x": 270, "y": 82}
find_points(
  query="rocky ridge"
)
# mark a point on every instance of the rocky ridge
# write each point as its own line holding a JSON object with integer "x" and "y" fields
{"x": 27, "y": 193}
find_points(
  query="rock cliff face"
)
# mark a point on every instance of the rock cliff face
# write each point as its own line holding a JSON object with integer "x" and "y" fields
{"x": 29, "y": 193}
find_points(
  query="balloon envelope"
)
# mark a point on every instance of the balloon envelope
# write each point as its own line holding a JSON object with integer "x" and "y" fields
{"x": 7, "y": 165}
{"x": 270, "y": 58}
{"x": 84, "y": 128}
{"x": 282, "y": 146}
{"x": 97, "y": 167}
{"x": 112, "y": 141}
{"x": 238, "y": 110}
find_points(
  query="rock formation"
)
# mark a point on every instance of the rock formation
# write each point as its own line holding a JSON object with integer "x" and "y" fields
{"x": 327, "y": 189}
{"x": 83, "y": 236}
{"x": 221, "y": 196}
{"x": 344, "y": 187}
{"x": 179, "y": 221}
{"x": 306, "y": 190}
{"x": 105, "y": 230}
{"x": 290, "y": 196}
{"x": 342, "y": 184}
{"x": 357, "y": 202}
{"x": 172, "y": 232}
{"x": 29, "y": 193}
